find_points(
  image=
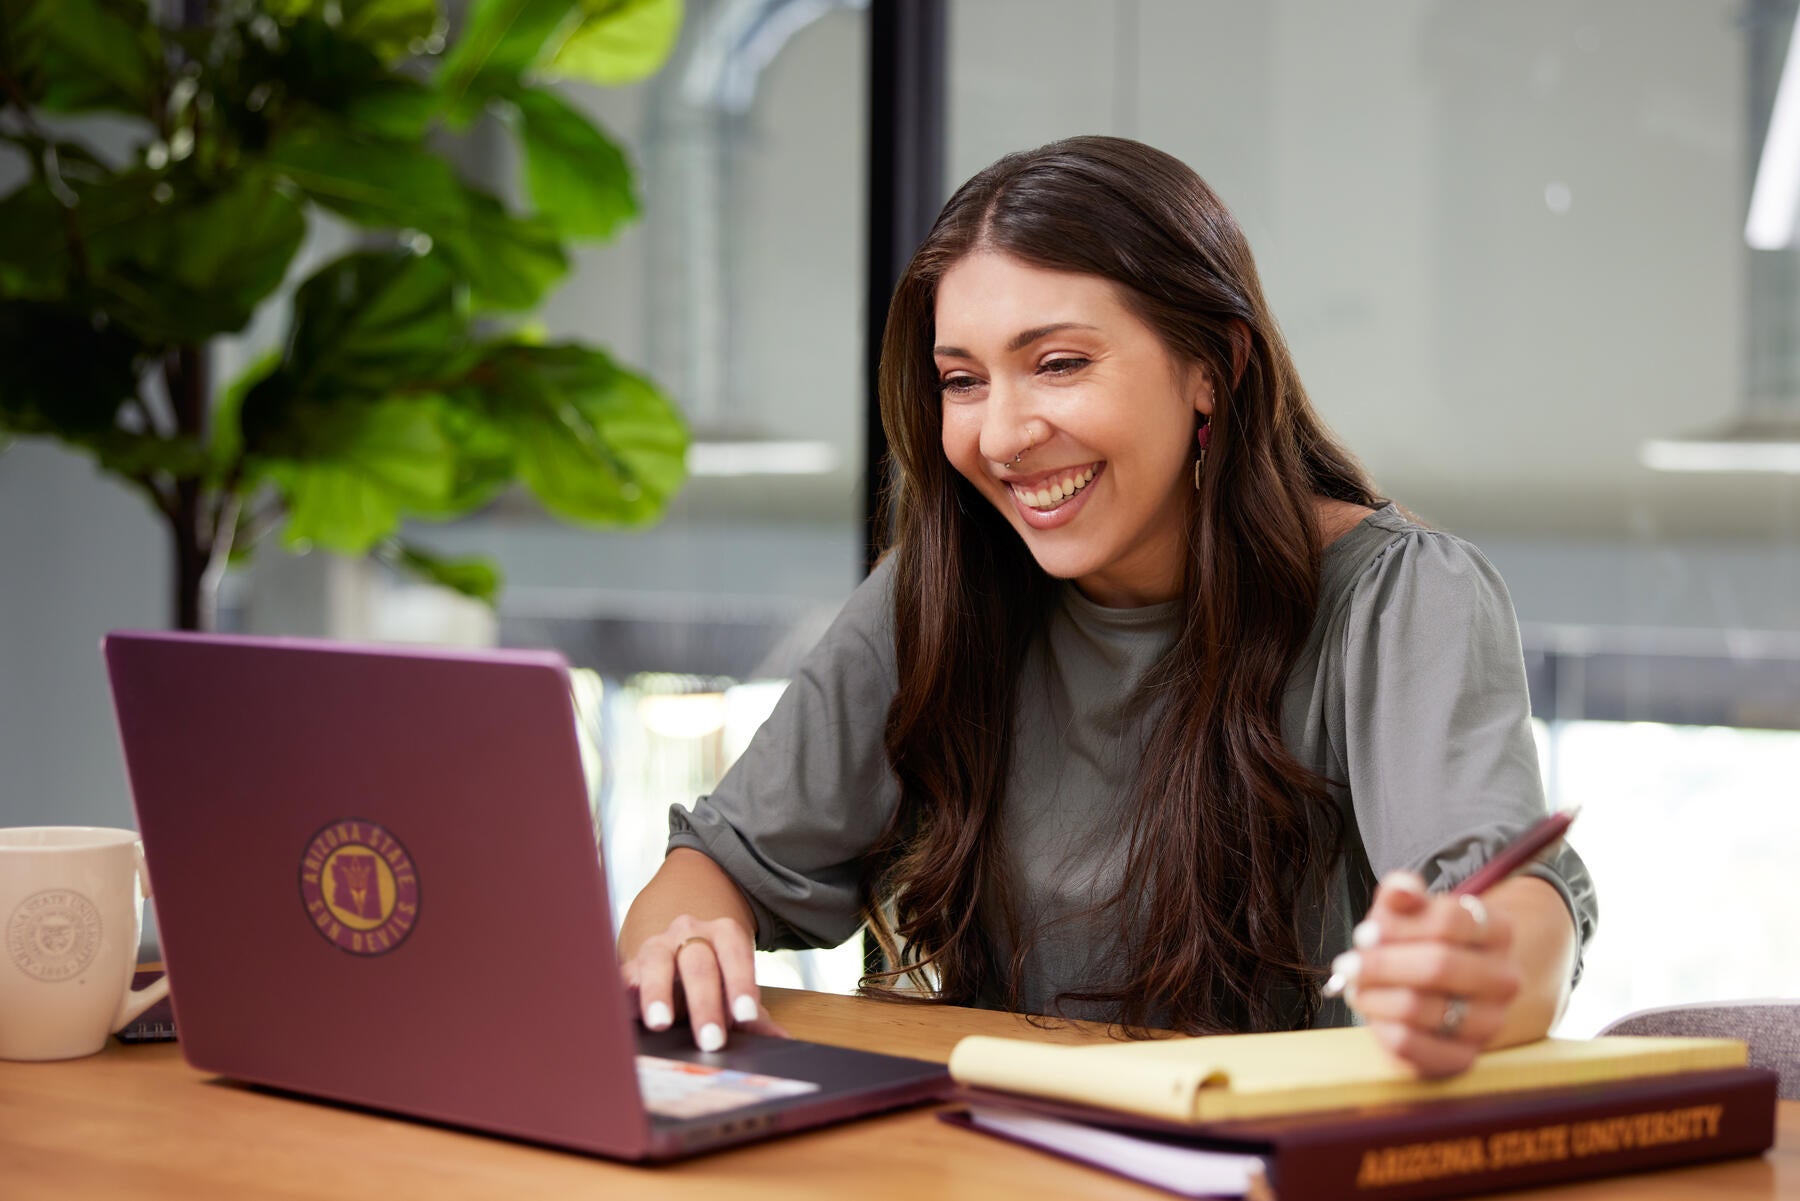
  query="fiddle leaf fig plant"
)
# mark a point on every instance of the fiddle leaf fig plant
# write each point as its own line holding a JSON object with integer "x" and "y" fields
{"x": 406, "y": 384}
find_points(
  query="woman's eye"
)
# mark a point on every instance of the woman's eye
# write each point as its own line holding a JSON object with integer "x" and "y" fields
{"x": 958, "y": 383}
{"x": 1061, "y": 366}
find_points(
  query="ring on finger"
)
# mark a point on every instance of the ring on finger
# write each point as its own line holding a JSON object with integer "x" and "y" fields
{"x": 1473, "y": 906}
{"x": 1456, "y": 1009}
{"x": 699, "y": 938}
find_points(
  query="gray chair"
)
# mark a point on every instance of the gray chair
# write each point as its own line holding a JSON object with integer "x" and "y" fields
{"x": 1772, "y": 1028}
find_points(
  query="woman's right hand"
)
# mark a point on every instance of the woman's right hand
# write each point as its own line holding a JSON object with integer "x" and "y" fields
{"x": 707, "y": 968}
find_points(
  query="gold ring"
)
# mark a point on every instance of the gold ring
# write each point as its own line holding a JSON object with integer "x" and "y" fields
{"x": 680, "y": 946}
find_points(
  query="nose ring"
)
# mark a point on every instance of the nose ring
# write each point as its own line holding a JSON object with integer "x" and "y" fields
{"x": 1020, "y": 457}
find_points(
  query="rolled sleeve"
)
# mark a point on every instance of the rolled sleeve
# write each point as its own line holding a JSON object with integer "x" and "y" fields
{"x": 1437, "y": 741}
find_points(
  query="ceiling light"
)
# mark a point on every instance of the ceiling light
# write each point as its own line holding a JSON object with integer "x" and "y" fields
{"x": 1776, "y": 196}
{"x": 1759, "y": 444}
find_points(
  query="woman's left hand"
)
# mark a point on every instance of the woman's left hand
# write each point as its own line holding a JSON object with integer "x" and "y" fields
{"x": 1432, "y": 975}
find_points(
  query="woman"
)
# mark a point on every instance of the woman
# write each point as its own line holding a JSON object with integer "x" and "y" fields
{"x": 1152, "y": 688}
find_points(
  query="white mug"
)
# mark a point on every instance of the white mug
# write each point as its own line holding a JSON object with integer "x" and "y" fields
{"x": 71, "y": 913}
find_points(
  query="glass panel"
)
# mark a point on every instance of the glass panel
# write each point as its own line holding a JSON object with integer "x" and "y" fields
{"x": 740, "y": 292}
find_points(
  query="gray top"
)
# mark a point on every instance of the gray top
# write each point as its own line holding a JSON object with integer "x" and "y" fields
{"x": 1411, "y": 689}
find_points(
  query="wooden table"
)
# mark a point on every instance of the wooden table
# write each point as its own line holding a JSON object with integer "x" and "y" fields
{"x": 137, "y": 1122}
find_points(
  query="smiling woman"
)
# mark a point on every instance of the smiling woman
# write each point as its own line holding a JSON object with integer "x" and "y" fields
{"x": 1155, "y": 706}
{"x": 1041, "y": 418}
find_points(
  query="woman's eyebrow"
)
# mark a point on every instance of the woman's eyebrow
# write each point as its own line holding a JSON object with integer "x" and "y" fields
{"x": 1020, "y": 340}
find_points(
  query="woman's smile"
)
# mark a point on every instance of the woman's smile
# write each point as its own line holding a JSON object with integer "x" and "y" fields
{"x": 1052, "y": 498}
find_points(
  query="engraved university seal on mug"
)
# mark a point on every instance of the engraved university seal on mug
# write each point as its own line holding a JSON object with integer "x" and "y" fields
{"x": 53, "y": 935}
{"x": 359, "y": 887}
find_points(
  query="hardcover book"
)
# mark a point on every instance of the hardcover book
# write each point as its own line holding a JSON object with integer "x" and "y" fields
{"x": 1409, "y": 1151}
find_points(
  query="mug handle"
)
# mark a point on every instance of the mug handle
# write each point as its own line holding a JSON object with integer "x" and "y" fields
{"x": 133, "y": 1004}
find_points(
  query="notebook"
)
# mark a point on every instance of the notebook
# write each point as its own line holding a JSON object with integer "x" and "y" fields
{"x": 377, "y": 882}
{"x": 1260, "y": 1075}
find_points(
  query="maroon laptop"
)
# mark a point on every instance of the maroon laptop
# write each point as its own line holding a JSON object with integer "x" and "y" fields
{"x": 377, "y": 882}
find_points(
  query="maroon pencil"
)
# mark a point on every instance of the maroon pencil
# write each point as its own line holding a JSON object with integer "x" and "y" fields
{"x": 1516, "y": 854}
{"x": 1524, "y": 849}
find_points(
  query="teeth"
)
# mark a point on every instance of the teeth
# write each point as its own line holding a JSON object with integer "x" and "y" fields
{"x": 1056, "y": 491}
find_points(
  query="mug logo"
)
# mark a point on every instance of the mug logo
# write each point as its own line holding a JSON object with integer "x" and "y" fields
{"x": 359, "y": 887}
{"x": 53, "y": 935}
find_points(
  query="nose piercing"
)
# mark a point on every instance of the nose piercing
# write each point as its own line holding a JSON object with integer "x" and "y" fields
{"x": 1020, "y": 457}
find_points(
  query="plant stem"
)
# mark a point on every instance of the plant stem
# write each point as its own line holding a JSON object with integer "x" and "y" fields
{"x": 185, "y": 373}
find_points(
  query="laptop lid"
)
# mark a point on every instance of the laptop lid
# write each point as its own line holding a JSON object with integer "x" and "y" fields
{"x": 376, "y": 879}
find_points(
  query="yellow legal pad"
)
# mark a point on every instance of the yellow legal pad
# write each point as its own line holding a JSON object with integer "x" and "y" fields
{"x": 1263, "y": 1075}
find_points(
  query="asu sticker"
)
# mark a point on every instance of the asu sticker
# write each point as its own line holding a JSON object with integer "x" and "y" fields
{"x": 360, "y": 888}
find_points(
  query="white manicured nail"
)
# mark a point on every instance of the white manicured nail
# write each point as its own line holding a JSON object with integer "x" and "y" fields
{"x": 712, "y": 1037}
{"x": 744, "y": 1008}
{"x": 1406, "y": 881}
{"x": 1367, "y": 934}
{"x": 1348, "y": 965}
{"x": 658, "y": 1016}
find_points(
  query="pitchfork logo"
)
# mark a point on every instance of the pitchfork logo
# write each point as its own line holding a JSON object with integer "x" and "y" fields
{"x": 359, "y": 886}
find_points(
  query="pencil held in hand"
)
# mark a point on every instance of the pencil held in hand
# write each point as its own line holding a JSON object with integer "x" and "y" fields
{"x": 1523, "y": 850}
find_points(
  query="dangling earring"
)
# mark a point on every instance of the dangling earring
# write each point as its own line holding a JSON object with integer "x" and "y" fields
{"x": 1204, "y": 437}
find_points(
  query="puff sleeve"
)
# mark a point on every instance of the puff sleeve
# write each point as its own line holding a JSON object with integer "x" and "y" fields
{"x": 792, "y": 820}
{"x": 1435, "y": 732}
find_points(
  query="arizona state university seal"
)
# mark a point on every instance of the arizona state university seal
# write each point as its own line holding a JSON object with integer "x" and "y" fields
{"x": 53, "y": 935}
{"x": 359, "y": 886}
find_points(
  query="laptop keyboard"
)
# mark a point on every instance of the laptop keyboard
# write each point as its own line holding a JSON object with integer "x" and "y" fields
{"x": 675, "y": 1088}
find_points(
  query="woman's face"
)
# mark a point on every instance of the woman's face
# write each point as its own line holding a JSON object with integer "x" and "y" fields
{"x": 1054, "y": 361}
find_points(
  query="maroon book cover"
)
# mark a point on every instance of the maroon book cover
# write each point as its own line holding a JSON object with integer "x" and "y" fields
{"x": 1477, "y": 1145}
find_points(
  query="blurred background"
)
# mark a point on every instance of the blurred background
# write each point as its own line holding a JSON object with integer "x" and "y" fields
{"x": 1506, "y": 242}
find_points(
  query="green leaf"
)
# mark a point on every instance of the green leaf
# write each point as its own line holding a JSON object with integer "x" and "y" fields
{"x": 619, "y": 41}
{"x": 478, "y": 577}
{"x": 61, "y": 372}
{"x": 392, "y": 27}
{"x": 98, "y": 54}
{"x": 484, "y": 451}
{"x": 197, "y": 266}
{"x": 376, "y": 182}
{"x": 131, "y": 454}
{"x": 595, "y": 442}
{"x": 393, "y": 108}
{"x": 22, "y": 35}
{"x": 578, "y": 177}
{"x": 499, "y": 41}
{"x": 374, "y": 321}
{"x": 348, "y": 472}
{"x": 34, "y": 248}
{"x": 227, "y": 415}
{"x": 510, "y": 262}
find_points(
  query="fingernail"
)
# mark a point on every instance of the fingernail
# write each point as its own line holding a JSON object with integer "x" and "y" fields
{"x": 1407, "y": 881}
{"x": 1334, "y": 987}
{"x": 658, "y": 1016}
{"x": 1347, "y": 965}
{"x": 711, "y": 1038}
{"x": 744, "y": 1008}
{"x": 1366, "y": 935}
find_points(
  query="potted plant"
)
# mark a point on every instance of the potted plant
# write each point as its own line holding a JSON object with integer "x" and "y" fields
{"x": 406, "y": 383}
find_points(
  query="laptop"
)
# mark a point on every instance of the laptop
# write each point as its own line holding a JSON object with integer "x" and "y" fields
{"x": 377, "y": 882}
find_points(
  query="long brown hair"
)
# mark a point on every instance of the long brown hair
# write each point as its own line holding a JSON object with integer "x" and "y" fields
{"x": 1231, "y": 837}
